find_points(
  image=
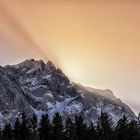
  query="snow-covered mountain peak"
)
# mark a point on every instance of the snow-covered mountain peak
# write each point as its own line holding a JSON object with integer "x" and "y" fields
{"x": 50, "y": 64}
{"x": 35, "y": 87}
{"x": 30, "y": 65}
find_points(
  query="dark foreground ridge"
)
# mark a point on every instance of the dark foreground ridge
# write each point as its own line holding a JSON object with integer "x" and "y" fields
{"x": 38, "y": 88}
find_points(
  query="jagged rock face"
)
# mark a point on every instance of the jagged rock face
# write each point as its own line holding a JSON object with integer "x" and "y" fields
{"x": 36, "y": 87}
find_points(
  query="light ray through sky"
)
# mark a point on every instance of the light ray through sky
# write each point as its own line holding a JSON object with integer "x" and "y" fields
{"x": 18, "y": 30}
{"x": 95, "y": 43}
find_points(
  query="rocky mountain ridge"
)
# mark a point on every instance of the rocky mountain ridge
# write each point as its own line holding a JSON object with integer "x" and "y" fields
{"x": 35, "y": 87}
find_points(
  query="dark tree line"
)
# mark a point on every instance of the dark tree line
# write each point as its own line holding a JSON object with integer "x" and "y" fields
{"x": 30, "y": 129}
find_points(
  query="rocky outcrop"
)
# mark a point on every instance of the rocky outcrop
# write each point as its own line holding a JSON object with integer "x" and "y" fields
{"x": 35, "y": 87}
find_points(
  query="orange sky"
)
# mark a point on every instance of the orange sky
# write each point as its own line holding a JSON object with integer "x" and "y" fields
{"x": 95, "y": 43}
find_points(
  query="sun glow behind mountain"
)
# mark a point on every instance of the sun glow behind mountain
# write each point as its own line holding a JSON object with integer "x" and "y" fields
{"x": 95, "y": 43}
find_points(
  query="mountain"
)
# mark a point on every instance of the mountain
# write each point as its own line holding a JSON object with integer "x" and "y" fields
{"x": 35, "y": 87}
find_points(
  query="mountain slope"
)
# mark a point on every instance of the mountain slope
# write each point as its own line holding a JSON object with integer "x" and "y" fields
{"x": 35, "y": 87}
